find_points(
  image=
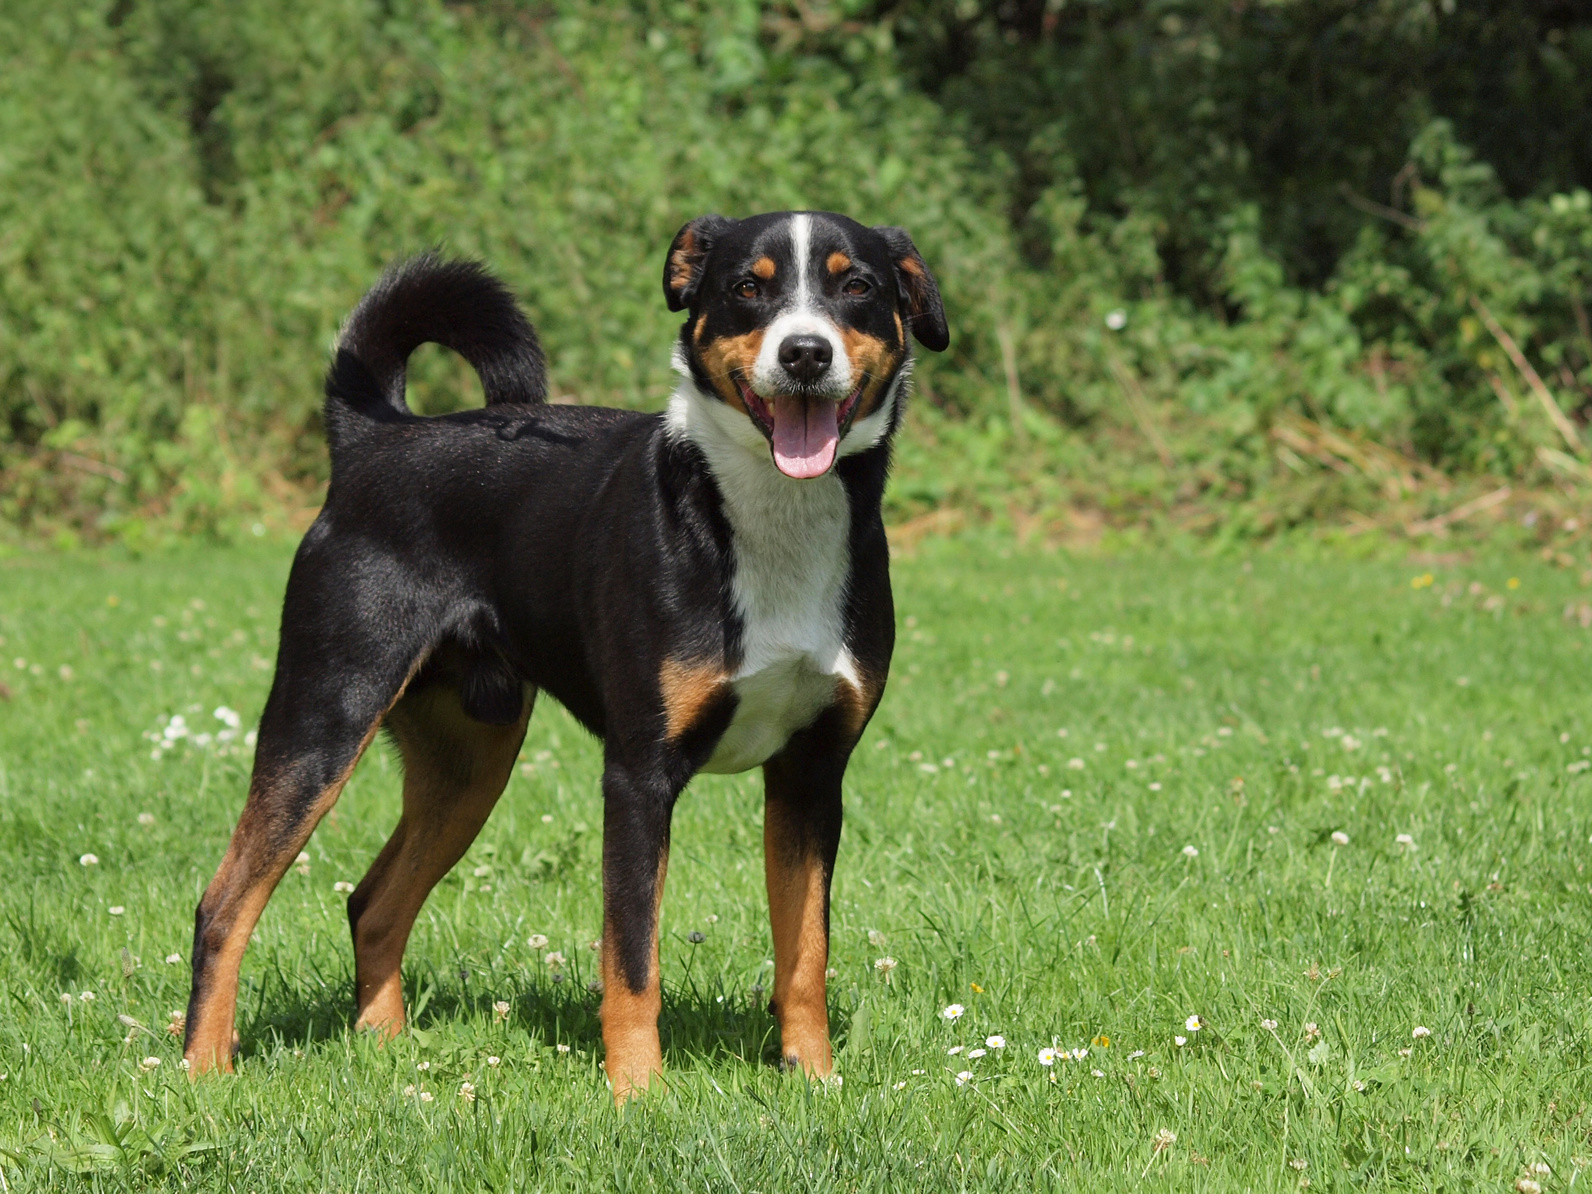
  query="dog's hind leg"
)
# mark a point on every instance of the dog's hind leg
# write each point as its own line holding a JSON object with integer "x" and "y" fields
{"x": 455, "y": 768}
{"x": 304, "y": 758}
{"x": 340, "y": 667}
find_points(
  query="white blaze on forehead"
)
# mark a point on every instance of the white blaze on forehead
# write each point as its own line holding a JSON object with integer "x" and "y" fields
{"x": 802, "y": 317}
{"x": 801, "y": 239}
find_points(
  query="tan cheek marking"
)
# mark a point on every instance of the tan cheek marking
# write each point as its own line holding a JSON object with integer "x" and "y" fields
{"x": 719, "y": 357}
{"x": 838, "y": 262}
{"x": 764, "y": 268}
{"x": 875, "y": 360}
{"x": 687, "y": 689}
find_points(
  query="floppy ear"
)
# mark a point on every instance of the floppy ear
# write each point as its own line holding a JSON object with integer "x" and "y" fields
{"x": 919, "y": 292}
{"x": 682, "y": 272}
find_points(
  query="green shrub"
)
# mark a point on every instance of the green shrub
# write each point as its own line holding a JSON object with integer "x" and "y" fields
{"x": 193, "y": 194}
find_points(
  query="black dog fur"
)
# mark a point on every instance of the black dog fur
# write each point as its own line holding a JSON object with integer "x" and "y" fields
{"x": 702, "y": 588}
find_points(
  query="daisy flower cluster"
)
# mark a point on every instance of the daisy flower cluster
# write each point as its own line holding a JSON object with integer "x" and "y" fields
{"x": 1051, "y": 1054}
{"x": 224, "y": 741}
{"x": 470, "y": 1088}
{"x": 994, "y": 1044}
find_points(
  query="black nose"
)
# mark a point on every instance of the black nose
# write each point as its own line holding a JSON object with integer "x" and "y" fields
{"x": 806, "y": 358}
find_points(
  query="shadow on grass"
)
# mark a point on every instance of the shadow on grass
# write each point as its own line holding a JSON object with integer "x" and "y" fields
{"x": 695, "y": 1024}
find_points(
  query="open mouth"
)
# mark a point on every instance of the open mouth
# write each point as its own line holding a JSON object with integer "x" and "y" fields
{"x": 803, "y": 430}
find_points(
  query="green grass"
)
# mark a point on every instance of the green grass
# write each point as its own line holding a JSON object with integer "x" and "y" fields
{"x": 1058, "y": 902}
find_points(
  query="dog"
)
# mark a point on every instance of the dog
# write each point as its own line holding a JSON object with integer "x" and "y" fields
{"x": 705, "y": 589}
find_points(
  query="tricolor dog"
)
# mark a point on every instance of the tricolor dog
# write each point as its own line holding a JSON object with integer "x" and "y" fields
{"x": 706, "y": 589}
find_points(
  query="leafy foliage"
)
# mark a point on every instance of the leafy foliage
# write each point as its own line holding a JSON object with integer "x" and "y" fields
{"x": 1154, "y": 225}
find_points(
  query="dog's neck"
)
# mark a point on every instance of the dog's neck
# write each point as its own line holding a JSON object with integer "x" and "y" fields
{"x": 792, "y": 538}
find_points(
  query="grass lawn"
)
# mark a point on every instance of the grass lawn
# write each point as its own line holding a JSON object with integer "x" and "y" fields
{"x": 1102, "y": 796}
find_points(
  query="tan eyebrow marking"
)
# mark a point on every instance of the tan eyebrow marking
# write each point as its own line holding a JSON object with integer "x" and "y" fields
{"x": 764, "y": 268}
{"x": 838, "y": 262}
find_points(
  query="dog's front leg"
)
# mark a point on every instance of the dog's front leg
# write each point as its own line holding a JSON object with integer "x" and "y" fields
{"x": 801, "y": 834}
{"x": 638, "y": 803}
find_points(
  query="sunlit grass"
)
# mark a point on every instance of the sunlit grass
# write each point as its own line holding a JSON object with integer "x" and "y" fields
{"x": 1201, "y": 843}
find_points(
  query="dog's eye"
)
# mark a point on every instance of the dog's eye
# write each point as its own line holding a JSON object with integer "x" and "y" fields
{"x": 856, "y": 287}
{"x": 745, "y": 288}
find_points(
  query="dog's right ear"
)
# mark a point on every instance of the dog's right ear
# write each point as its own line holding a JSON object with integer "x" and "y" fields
{"x": 682, "y": 272}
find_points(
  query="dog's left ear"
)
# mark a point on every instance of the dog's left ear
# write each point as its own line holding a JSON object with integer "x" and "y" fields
{"x": 925, "y": 312}
{"x": 682, "y": 271}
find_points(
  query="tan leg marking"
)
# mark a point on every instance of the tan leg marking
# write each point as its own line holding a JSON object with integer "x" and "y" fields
{"x": 796, "y": 885}
{"x": 687, "y": 688}
{"x": 455, "y": 769}
{"x": 632, "y": 1052}
{"x": 857, "y": 704}
{"x": 256, "y": 859}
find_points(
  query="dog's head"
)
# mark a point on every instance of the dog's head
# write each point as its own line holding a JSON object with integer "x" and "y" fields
{"x": 799, "y": 322}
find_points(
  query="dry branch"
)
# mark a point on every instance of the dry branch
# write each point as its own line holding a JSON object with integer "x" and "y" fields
{"x": 1139, "y": 408}
{"x": 1397, "y": 474}
{"x": 1440, "y": 524}
{"x": 1538, "y": 387}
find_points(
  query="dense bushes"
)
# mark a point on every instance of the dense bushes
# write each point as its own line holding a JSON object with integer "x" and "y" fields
{"x": 192, "y": 194}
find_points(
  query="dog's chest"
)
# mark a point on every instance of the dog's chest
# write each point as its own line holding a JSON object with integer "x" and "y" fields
{"x": 791, "y": 560}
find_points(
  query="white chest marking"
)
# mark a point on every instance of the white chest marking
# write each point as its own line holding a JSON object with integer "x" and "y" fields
{"x": 791, "y": 545}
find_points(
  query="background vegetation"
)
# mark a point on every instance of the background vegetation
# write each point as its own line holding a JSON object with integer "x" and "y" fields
{"x": 1212, "y": 264}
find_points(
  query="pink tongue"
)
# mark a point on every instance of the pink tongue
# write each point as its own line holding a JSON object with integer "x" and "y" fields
{"x": 805, "y": 435}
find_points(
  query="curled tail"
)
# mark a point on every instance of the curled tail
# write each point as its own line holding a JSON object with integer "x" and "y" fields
{"x": 457, "y": 304}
